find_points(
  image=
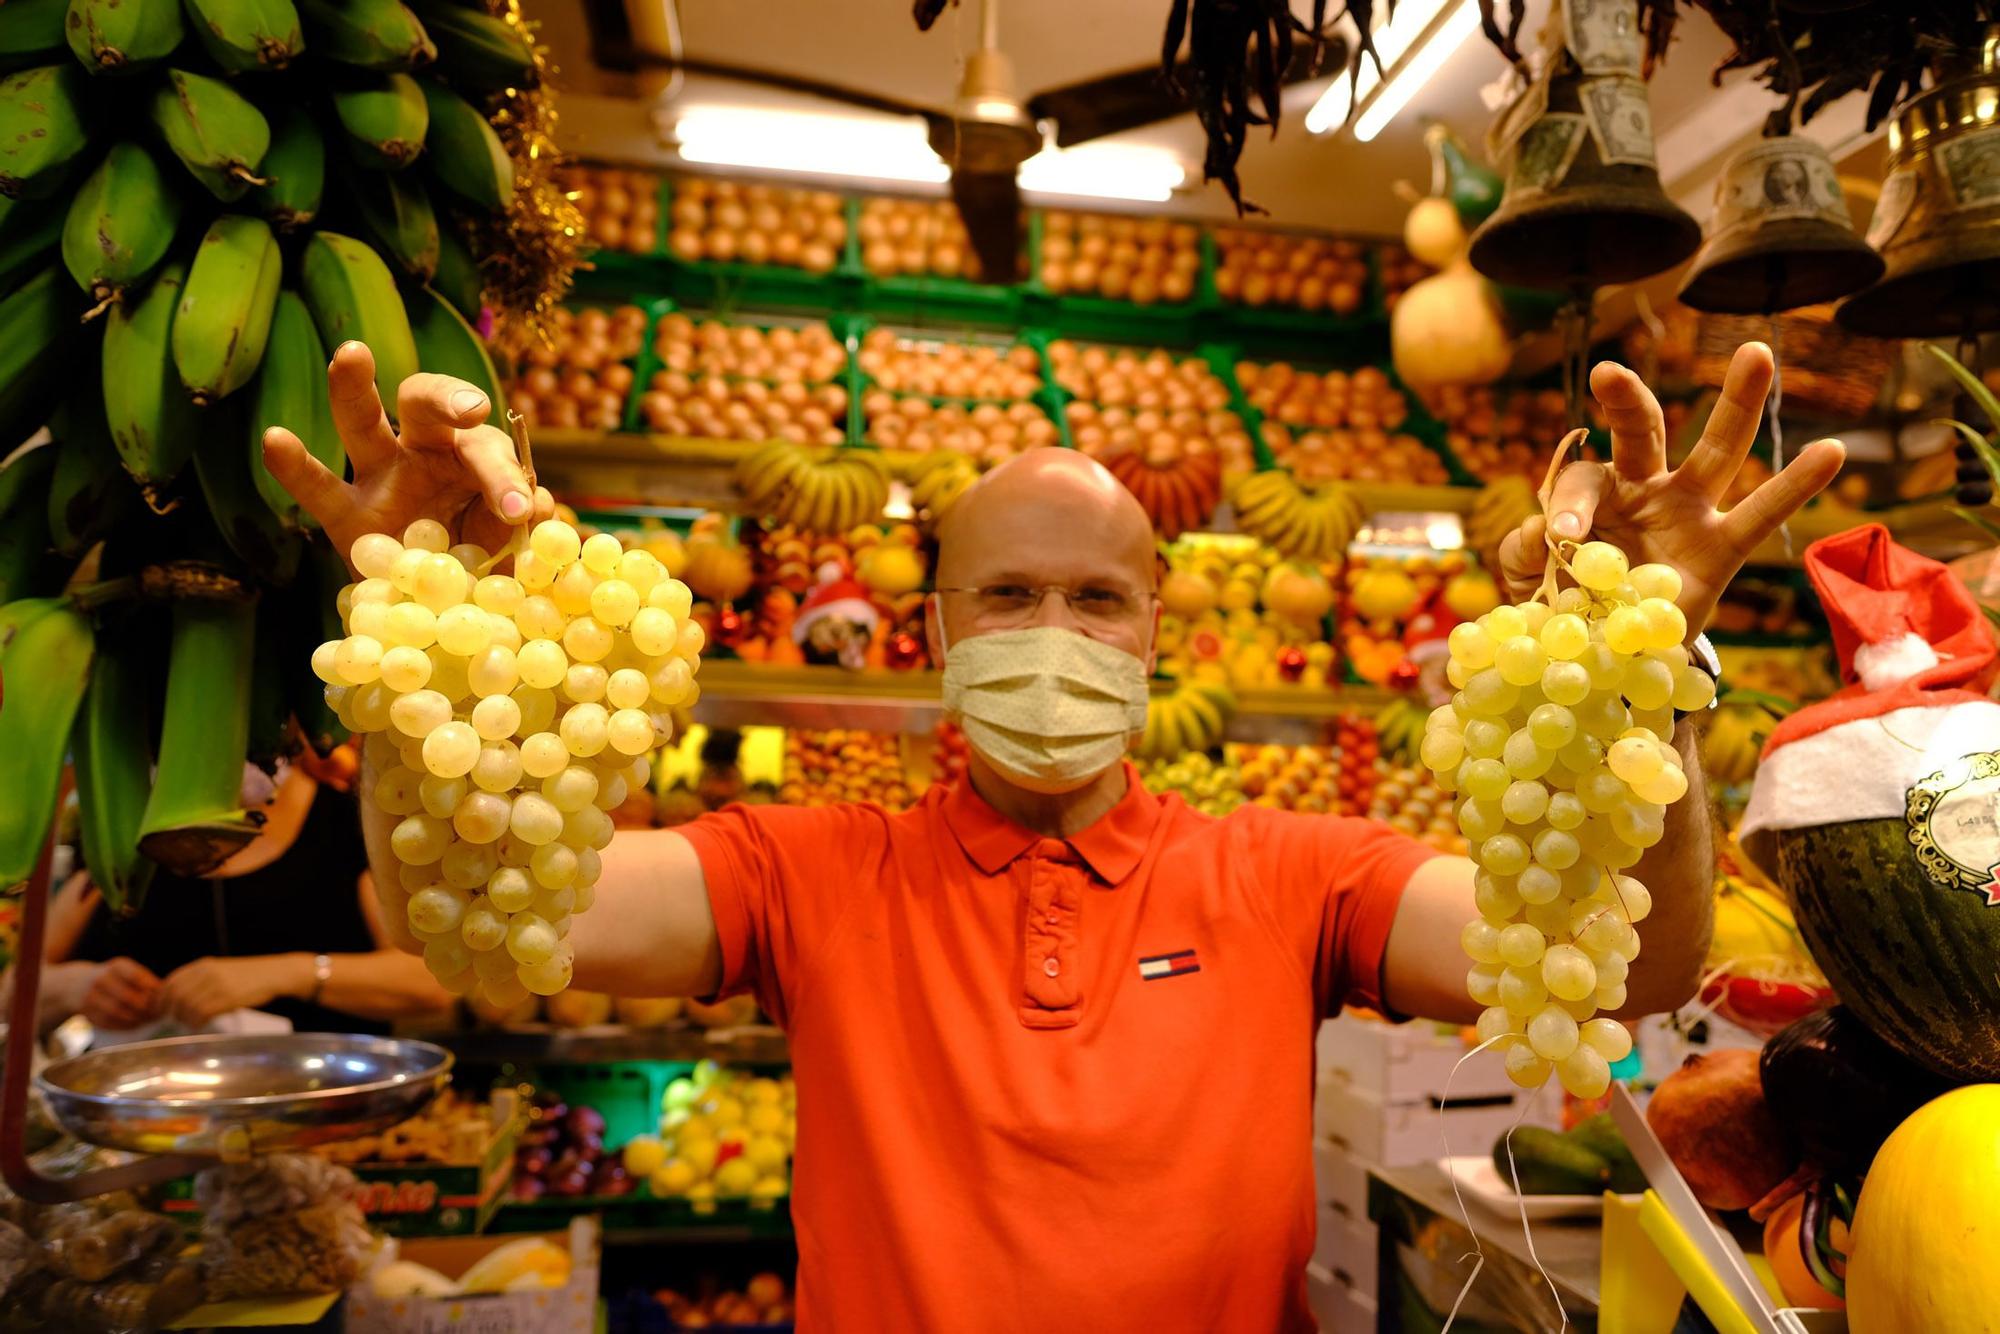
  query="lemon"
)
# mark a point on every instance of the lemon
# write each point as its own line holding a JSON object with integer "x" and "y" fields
{"x": 770, "y": 1188}
{"x": 726, "y": 1113}
{"x": 674, "y": 1176}
{"x": 767, "y": 1153}
{"x": 695, "y": 1126}
{"x": 735, "y": 1177}
{"x": 700, "y": 1155}
{"x": 702, "y": 1196}
{"x": 643, "y": 1155}
{"x": 680, "y": 1096}
{"x": 764, "y": 1120}
{"x": 764, "y": 1093}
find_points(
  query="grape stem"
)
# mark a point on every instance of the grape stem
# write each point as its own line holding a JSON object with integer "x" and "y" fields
{"x": 517, "y": 427}
{"x": 1571, "y": 441}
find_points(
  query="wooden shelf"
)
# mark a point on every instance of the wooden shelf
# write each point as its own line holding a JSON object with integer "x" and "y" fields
{"x": 737, "y": 694}
{"x": 678, "y": 471}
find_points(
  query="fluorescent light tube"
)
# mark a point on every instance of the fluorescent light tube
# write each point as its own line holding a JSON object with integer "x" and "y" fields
{"x": 872, "y": 147}
{"x": 1392, "y": 40}
{"x": 1421, "y": 67}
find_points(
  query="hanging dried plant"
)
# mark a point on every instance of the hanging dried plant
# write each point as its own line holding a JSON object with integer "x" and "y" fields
{"x": 1238, "y": 52}
{"x": 527, "y": 254}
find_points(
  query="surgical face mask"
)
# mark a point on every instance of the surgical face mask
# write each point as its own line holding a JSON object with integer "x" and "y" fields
{"x": 1049, "y": 708}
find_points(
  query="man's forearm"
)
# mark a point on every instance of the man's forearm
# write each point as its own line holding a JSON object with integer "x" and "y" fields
{"x": 1679, "y": 870}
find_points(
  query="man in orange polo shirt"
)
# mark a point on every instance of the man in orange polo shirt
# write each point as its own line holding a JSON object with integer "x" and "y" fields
{"x": 1053, "y": 1034}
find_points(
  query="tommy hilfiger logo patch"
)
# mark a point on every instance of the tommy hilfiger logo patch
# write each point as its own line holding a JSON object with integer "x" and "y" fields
{"x": 1178, "y": 963}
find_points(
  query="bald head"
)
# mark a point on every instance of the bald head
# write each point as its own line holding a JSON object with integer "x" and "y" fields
{"x": 1058, "y": 506}
{"x": 1049, "y": 518}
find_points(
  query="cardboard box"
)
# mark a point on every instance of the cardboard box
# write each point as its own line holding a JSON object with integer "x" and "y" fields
{"x": 423, "y": 1199}
{"x": 1398, "y": 1134}
{"x": 1347, "y": 1251}
{"x": 1339, "y": 1307}
{"x": 570, "y": 1309}
{"x": 1405, "y": 1062}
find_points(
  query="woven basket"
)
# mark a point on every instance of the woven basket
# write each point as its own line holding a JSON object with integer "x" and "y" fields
{"x": 1828, "y": 372}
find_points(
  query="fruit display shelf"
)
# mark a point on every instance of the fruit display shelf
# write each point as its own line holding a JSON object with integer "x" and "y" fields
{"x": 548, "y": 1045}
{"x": 677, "y": 471}
{"x": 642, "y": 1219}
{"x": 735, "y": 694}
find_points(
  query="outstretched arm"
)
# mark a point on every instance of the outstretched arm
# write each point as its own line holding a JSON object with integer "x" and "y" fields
{"x": 1655, "y": 515}
{"x": 650, "y": 932}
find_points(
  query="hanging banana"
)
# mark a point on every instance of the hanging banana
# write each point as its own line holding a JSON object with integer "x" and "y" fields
{"x": 44, "y": 668}
{"x": 114, "y": 764}
{"x": 194, "y": 817}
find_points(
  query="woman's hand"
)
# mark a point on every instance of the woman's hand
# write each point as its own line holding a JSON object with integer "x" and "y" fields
{"x": 196, "y": 993}
{"x": 1655, "y": 514}
{"x": 120, "y": 994}
{"x": 448, "y": 463}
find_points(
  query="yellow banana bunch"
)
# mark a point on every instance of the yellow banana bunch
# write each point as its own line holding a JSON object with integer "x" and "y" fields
{"x": 1736, "y": 735}
{"x": 1754, "y": 928}
{"x": 1309, "y": 522}
{"x": 1498, "y": 511}
{"x": 1191, "y": 716}
{"x": 1399, "y": 728}
{"x": 940, "y": 479}
{"x": 824, "y": 491}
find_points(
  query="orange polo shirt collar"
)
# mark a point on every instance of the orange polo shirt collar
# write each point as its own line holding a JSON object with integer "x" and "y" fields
{"x": 1111, "y": 847}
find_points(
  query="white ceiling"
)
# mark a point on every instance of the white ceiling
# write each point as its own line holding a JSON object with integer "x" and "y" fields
{"x": 1327, "y": 181}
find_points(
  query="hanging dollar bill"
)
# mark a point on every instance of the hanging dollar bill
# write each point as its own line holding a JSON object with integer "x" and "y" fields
{"x": 1545, "y": 152}
{"x": 1621, "y": 120}
{"x": 1893, "y": 205}
{"x": 1602, "y": 35}
{"x": 1971, "y": 168}
{"x": 1515, "y": 117}
{"x": 1774, "y": 179}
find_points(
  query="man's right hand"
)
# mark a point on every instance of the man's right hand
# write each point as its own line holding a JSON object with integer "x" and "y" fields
{"x": 448, "y": 463}
{"x": 123, "y": 994}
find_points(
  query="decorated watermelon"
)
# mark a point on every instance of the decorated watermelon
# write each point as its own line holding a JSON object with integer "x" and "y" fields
{"x": 1878, "y": 809}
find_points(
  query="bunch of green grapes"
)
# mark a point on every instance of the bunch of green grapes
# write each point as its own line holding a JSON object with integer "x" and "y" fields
{"x": 1558, "y": 744}
{"x": 504, "y": 716}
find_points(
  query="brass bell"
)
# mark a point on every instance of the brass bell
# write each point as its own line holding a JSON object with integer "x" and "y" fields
{"x": 1937, "y": 222}
{"x": 1780, "y": 236}
{"x": 1583, "y": 206}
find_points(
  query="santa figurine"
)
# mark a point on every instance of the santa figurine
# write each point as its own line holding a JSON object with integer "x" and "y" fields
{"x": 836, "y": 621}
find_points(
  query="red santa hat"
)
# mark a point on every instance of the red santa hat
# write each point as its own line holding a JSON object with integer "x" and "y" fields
{"x": 837, "y": 594}
{"x": 1917, "y": 657}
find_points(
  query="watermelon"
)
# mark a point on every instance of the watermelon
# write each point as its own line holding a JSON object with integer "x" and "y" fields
{"x": 1918, "y": 961}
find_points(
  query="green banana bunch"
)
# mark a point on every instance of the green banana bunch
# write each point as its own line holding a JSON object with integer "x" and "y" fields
{"x": 194, "y": 818}
{"x": 43, "y": 673}
{"x": 31, "y": 32}
{"x": 244, "y": 36}
{"x": 294, "y": 171}
{"x": 114, "y": 765}
{"x": 479, "y": 52}
{"x": 89, "y": 494}
{"x": 121, "y": 36}
{"x": 226, "y": 306}
{"x": 457, "y": 278}
{"x": 313, "y": 619}
{"x": 290, "y": 391}
{"x": 447, "y": 345}
{"x": 29, "y": 230}
{"x": 28, "y": 568}
{"x": 17, "y": 615}
{"x": 385, "y": 117}
{"x": 260, "y": 540}
{"x": 40, "y": 325}
{"x": 44, "y": 128}
{"x": 120, "y": 223}
{"x": 152, "y": 422}
{"x": 396, "y": 213}
{"x": 352, "y": 296}
{"x": 270, "y": 731}
{"x": 213, "y": 129}
{"x": 464, "y": 153}
{"x": 369, "y": 34}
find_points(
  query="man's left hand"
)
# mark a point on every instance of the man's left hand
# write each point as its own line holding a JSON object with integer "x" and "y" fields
{"x": 197, "y": 993}
{"x": 1655, "y": 514}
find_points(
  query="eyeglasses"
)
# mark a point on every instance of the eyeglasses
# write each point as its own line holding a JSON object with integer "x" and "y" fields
{"x": 1013, "y": 604}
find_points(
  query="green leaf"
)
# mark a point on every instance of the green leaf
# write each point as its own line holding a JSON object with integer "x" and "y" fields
{"x": 1973, "y": 385}
{"x": 1991, "y": 615}
{"x": 1981, "y": 446}
{"x": 1979, "y": 521}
